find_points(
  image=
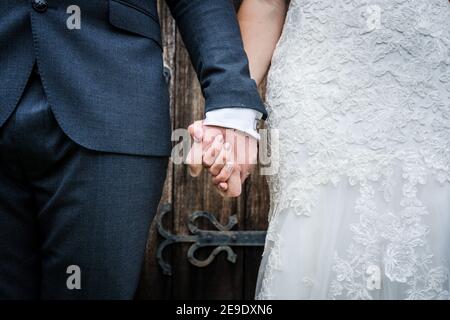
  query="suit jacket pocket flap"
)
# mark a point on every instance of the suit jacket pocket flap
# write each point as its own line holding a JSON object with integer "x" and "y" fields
{"x": 127, "y": 17}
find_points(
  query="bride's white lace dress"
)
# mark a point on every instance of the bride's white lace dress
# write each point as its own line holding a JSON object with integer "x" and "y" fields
{"x": 360, "y": 208}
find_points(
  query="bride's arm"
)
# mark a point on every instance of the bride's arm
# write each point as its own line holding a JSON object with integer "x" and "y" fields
{"x": 261, "y": 23}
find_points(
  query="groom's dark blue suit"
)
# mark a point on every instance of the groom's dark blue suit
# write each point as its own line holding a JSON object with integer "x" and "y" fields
{"x": 85, "y": 134}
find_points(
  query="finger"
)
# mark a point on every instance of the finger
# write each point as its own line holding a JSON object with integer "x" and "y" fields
{"x": 219, "y": 163}
{"x": 224, "y": 157}
{"x": 194, "y": 159}
{"x": 224, "y": 174}
{"x": 227, "y": 169}
{"x": 223, "y": 186}
{"x": 209, "y": 135}
{"x": 196, "y": 130}
{"x": 213, "y": 151}
{"x": 234, "y": 186}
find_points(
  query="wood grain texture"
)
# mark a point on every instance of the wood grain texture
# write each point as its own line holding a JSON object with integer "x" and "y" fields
{"x": 221, "y": 279}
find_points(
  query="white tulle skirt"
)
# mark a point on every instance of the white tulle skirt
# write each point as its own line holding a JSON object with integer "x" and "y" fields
{"x": 343, "y": 250}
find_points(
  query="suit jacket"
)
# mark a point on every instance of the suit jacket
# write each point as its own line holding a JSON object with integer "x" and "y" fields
{"x": 105, "y": 82}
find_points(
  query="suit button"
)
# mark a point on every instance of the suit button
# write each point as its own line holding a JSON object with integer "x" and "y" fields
{"x": 40, "y": 5}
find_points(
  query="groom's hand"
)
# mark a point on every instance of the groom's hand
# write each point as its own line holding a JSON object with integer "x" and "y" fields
{"x": 208, "y": 147}
{"x": 228, "y": 154}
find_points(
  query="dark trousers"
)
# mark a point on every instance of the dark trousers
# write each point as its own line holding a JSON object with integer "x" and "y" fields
{"x": 65, "y": 209}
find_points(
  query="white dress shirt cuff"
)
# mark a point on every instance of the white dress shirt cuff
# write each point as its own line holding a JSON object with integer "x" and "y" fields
{"x": 242, "y": 119}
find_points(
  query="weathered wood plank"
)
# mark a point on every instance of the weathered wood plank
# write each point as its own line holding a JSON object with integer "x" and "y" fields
{"x": 220, "y": 280}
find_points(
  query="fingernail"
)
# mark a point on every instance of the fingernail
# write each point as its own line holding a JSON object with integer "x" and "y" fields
{"x": 221, "y": 187}
{"x": 220, "y": 138}
{"x": 198, "y": 134}
{"x": 230, "y": 167}
{"x": 227, "y": 146}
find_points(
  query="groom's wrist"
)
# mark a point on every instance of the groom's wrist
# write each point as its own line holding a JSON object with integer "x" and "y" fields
{"x": 242, "y": 119}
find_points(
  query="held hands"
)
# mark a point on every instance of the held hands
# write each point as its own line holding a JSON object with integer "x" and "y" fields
{"x": 229, "y": 155}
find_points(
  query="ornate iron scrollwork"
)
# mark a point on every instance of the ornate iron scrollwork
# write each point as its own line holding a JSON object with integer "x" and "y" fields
{"x": 222, "y": 239}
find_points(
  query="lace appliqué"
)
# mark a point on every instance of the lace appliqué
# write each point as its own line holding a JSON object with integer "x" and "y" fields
{"x": 358, "y": 102}
{"x": 272, "y": 249}
{"x": 400, "y": 241}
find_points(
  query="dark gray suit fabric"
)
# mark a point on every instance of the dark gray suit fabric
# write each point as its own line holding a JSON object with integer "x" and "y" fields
{"x": 63, "y": 205}
{"x": 105, "y": 82}
{"x": 83, "y": 148}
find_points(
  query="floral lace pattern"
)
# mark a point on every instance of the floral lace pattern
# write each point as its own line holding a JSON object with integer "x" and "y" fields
{"x": 359, "y": 90}
{"x": 401, "y": 242}
{"x": 273, "y": 240}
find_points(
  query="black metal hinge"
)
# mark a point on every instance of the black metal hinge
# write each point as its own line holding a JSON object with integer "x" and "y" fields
{"x": 222, "y": 239}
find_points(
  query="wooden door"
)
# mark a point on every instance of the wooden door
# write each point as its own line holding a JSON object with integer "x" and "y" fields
{"x": 221, "y": 279}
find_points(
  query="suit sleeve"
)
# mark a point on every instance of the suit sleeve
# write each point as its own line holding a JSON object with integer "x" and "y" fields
{"x": 212, "y": 37}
